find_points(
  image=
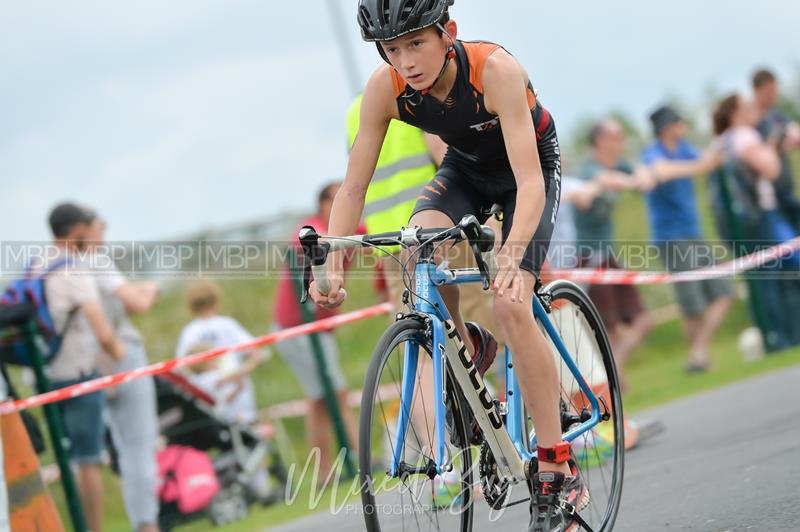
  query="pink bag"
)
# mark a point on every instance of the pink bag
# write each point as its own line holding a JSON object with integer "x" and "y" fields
{"x": 187, "y": 477}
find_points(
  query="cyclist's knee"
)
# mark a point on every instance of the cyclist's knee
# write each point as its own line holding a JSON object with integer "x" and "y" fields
{"x": 508, "y": 312}
{"x": 430, "y": 218}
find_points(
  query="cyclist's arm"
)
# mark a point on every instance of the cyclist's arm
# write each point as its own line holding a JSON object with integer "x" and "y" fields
{"x": 436, "y": 147}
{"x": 377, "y": 109}
{"x": 505, "y": 85}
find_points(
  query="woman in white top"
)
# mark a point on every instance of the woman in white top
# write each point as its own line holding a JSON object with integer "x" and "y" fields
{"x": 757, "y": 166}
{"x": 735, "y": 123}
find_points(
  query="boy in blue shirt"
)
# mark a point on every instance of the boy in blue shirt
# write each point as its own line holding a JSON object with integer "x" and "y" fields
{"x": 676, "y": 230}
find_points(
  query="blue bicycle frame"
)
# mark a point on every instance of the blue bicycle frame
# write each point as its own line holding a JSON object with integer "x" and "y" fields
{"x": 509, "y": 441}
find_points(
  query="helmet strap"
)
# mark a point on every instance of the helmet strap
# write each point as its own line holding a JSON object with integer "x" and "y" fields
{"x": 449, "y": 54}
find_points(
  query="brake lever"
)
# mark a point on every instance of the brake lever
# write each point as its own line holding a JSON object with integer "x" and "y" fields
{"x": 306, "y": 280}
{"x": 480, "y": 240}
{"x": 482, "y": 266}
{"x": 309, "y": 240}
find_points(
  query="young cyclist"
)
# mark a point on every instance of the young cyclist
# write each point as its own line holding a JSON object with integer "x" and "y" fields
{"x": 503, "y": 149}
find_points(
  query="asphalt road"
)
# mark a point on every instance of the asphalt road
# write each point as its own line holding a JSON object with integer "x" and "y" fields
{"x": 728, "y": 460}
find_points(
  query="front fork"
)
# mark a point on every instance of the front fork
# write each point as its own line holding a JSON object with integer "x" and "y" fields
{"x": 410, "y": 370}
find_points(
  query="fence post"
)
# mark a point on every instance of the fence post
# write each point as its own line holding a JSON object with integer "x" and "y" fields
{"x": 331, "y": 402}
{"x": 58, "y": 439}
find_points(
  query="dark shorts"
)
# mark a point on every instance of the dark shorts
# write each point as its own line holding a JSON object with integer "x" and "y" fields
{"x": 693, "y": 297}
{"x": 83, "y": 422}
{"x": 461, "y": 188}
{"x": 616, "y": 303}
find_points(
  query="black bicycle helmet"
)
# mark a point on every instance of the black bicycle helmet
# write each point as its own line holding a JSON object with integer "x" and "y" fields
{"x": 384, "y": 20}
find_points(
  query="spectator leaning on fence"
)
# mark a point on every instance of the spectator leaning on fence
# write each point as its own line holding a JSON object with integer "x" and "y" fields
{"x": 74, "y": 302}
{"x": 676, "y": 230}
{"x": 298, "y": 351}
{"x": 777, "y": 129}
{"x": 735, "y": 119}
{"x": 756, "y": 166}
{"x": 625, "y": 317}
{"x": 131, "y": 410}
{"x": 575, "y": 194}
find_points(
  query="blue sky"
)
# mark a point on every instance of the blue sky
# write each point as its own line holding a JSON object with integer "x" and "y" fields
{"x": 174, "y": 116}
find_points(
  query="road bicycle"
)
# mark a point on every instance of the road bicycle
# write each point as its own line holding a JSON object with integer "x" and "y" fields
{"x": 473, "y": 444}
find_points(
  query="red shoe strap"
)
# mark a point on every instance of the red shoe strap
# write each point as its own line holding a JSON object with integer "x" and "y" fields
{"x": 557, "y": 454}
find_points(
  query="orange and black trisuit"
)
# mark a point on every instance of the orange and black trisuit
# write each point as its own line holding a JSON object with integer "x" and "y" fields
{"x": 476, "y": 172}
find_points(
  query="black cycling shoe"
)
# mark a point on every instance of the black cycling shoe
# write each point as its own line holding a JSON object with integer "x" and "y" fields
{"x": 556, "y": 499}
{"x": 485, "y": 346}
{"x": 485, "y": 352}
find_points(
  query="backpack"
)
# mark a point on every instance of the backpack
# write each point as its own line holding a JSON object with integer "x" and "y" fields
{"x": 24, "y": 300}
{"x": 187, "y": 478}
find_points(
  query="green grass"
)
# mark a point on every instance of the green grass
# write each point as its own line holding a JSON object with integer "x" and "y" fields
{"x": 655, "y": 372}
{"x": 655, "y": 375}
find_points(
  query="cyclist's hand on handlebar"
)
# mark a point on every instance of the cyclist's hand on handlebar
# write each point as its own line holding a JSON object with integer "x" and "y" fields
{"x": 334, "y": 298}
{"x": 508, "y": 281}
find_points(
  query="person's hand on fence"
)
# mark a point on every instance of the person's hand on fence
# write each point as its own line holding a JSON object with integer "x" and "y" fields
{"x": 792, "y": 140}
{"x": 711, "y": 159}
{"x": 644, "y": 178}
{"x": 615, "y": 181}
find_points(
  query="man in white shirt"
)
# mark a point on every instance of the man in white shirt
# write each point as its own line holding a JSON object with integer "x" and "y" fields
{"x": 131, "y": 410}
{"x": 74, "y": 303}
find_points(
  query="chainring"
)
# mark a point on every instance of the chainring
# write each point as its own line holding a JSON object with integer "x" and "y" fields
{"x": 495, "y": 491}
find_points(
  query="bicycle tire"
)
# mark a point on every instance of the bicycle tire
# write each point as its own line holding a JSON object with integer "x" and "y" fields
{"x": 404, "y": 330}
{"x": 567, "y": 295}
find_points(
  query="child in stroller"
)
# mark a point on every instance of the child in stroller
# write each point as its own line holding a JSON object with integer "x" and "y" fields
{"x": 246, "y": 459}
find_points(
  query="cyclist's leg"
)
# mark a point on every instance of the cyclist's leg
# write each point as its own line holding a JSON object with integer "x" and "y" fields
{"x": 450, "y": 294}
{"x": 535, "y": 368}
{"x": 442, "y": 203}
{"x": 535, "y": 365}
{"x": 475, "y": 305}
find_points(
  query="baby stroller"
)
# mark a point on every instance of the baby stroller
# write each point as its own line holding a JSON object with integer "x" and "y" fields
{"x": 187, "y": 418}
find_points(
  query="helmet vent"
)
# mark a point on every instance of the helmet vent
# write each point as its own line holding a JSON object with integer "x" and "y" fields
{"x": 365, "y": 20}
{"x": 408, "y": 7}
{"x": 385, "y": 11}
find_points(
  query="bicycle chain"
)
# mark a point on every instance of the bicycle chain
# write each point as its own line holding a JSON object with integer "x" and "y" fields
{"x": 495, "y": 491}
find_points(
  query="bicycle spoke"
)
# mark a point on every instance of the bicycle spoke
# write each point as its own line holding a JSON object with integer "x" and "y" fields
{"x": 417, "y": 494}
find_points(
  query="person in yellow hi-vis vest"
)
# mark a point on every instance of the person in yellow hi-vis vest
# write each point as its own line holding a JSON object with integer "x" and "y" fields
{"x": 407, "y": 162}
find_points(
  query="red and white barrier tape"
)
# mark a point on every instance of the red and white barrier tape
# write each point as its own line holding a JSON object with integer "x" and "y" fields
{"x": 170, "y": 365}
{"x": 726, "y": 269}
{"x": 590, "y": 276}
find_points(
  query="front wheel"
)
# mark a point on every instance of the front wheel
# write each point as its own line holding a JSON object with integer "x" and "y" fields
{"x": 600, "y": 451}
{"x": 419, "y": 499}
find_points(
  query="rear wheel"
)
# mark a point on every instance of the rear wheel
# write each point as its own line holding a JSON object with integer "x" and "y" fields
{"x": 599, "y": 452}
{"x": 420, "y": 499}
